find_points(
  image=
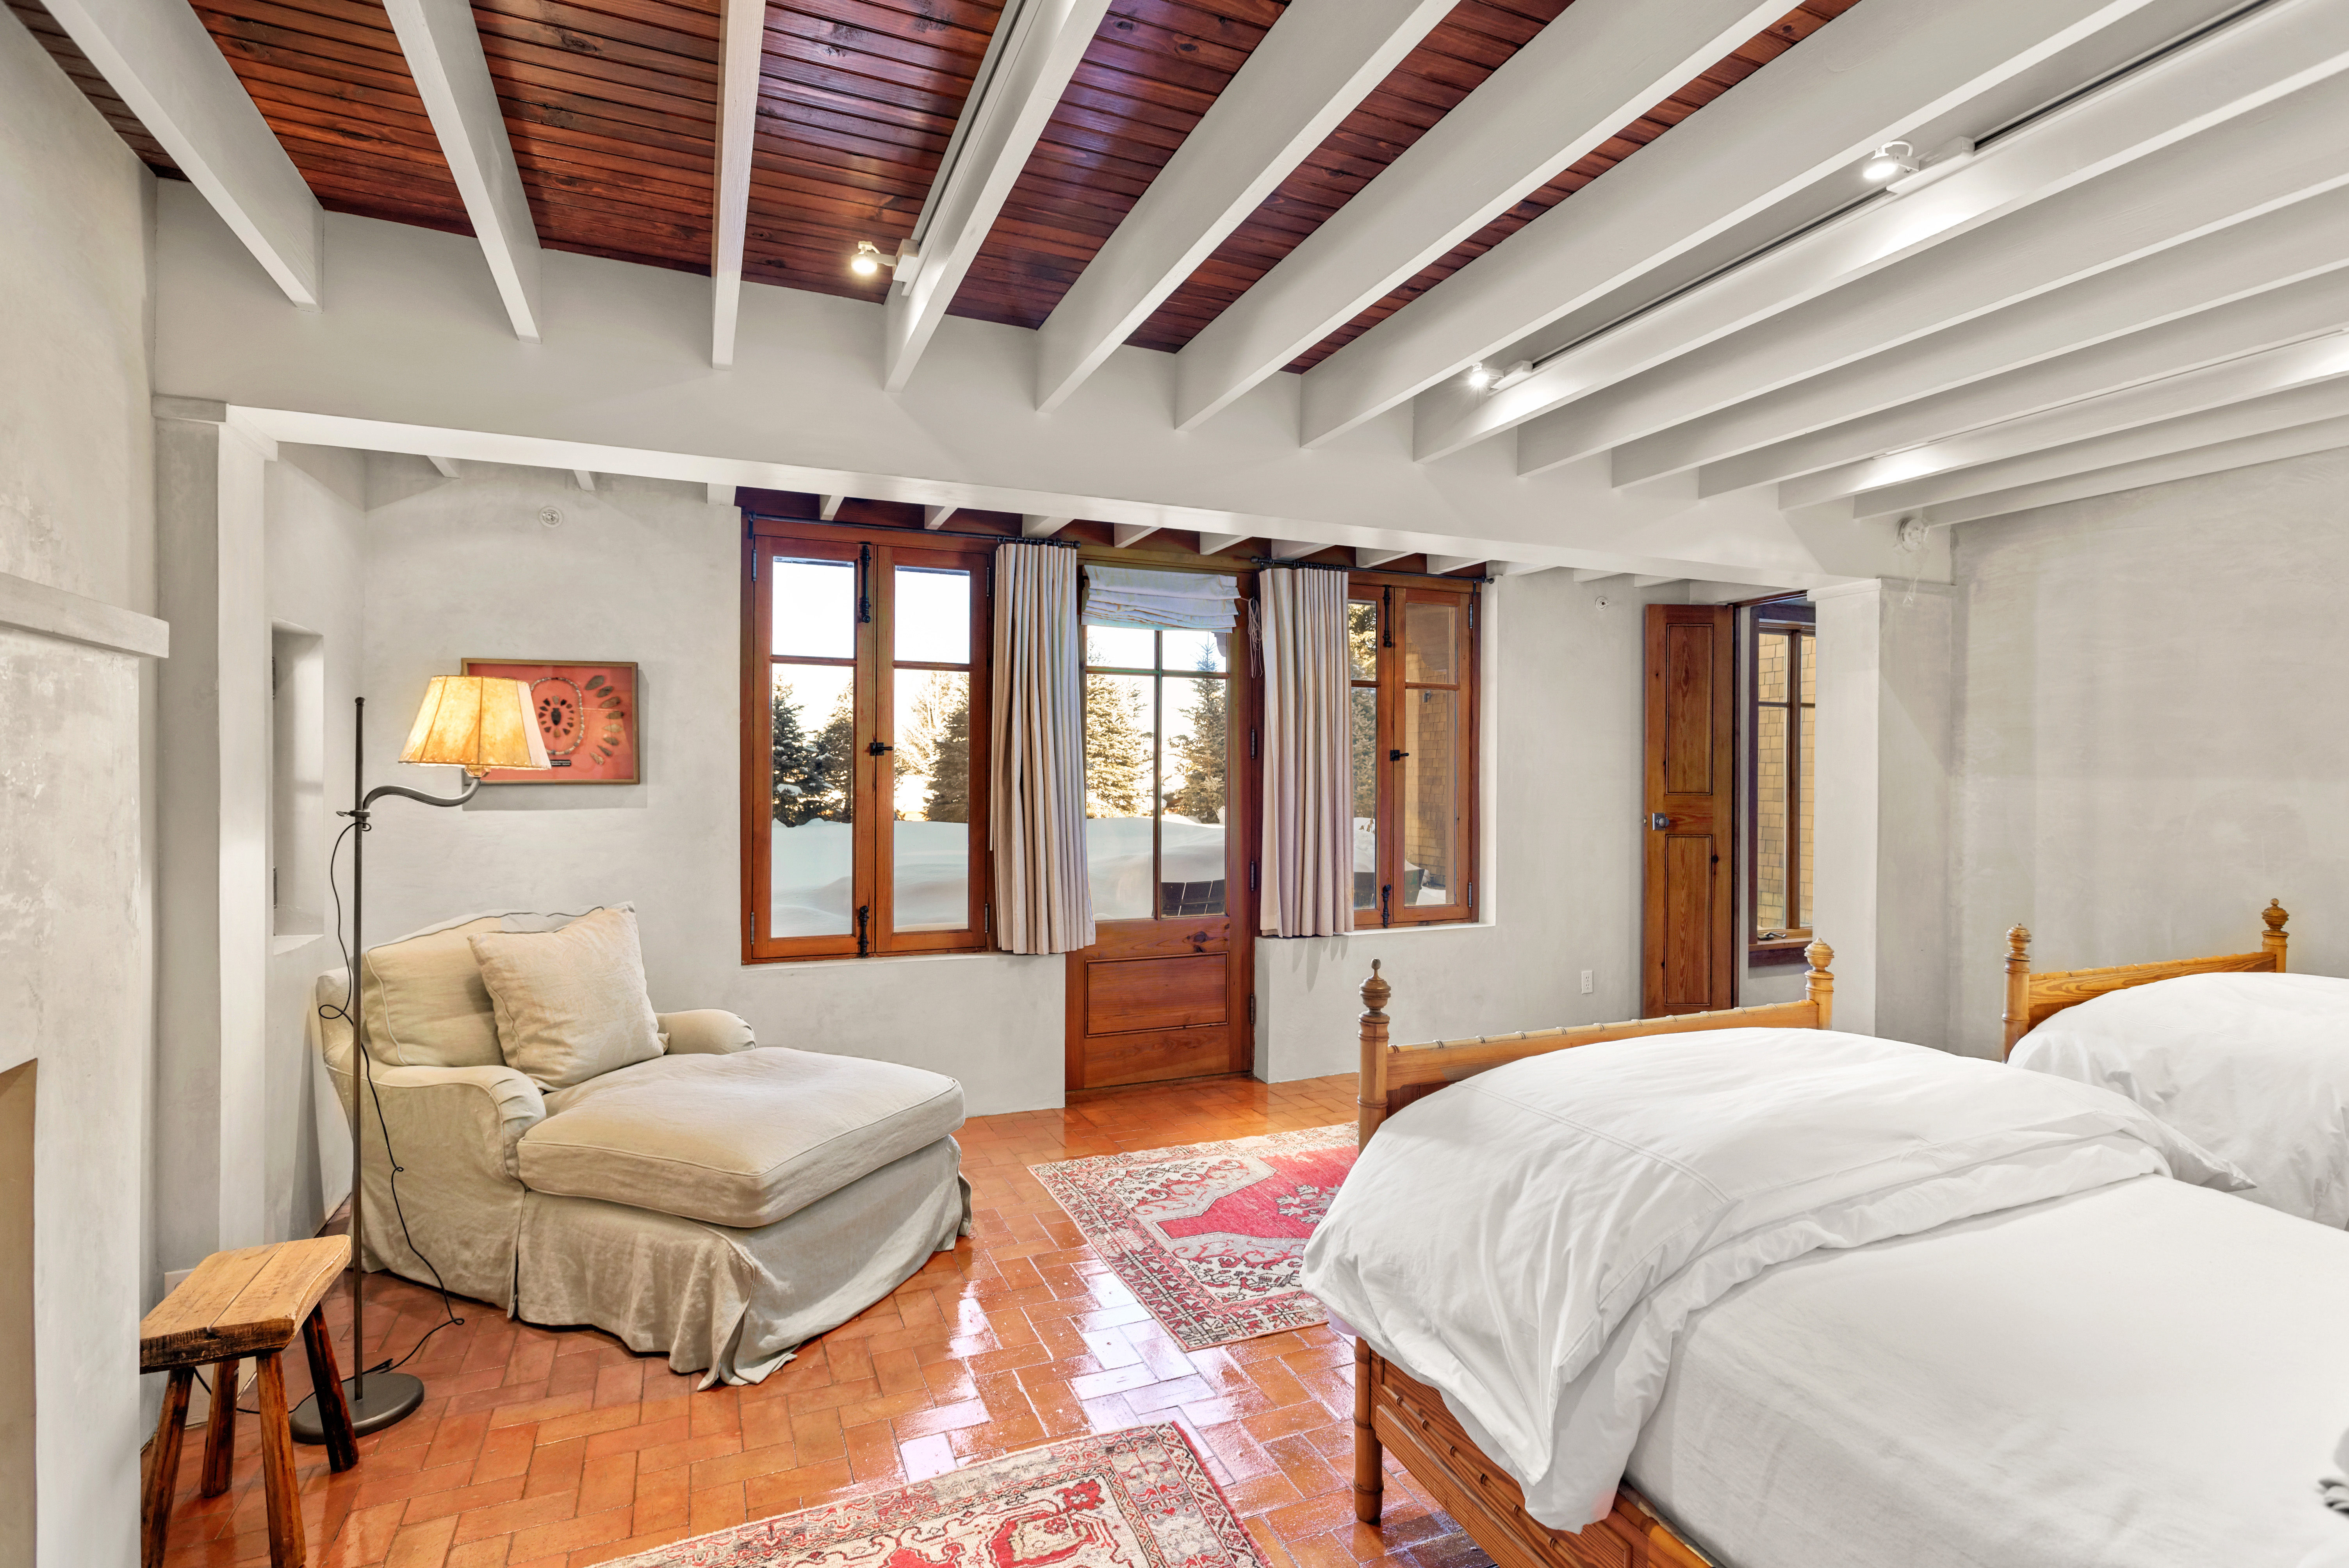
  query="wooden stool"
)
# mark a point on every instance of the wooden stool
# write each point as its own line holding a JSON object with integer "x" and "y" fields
{"x": 251, "y": 1301}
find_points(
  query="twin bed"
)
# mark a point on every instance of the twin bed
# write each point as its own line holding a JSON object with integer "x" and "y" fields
{"x": 1833, "y": 1301}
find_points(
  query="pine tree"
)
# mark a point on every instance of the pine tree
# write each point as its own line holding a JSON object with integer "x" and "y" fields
{"x": 799, "y": 769}
{"x": 1200, "y": 758}
{"x": 835, "y": 758}
{"x": 937, "y": 747}
{"x": 1117, "y": 749}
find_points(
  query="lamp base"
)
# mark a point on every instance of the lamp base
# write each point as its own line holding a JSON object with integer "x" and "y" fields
{"x": 391, "y": 1397}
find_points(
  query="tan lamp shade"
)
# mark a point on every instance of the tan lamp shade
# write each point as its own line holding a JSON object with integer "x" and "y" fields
{"x": 476, "y": 723}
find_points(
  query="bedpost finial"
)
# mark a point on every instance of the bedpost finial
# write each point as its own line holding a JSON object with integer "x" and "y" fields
{"x": 1820, "y": 955}
{"x": 2018, "y": 942}
{"x": 1375, "y": 991}
{"x": 2275, "y": 915}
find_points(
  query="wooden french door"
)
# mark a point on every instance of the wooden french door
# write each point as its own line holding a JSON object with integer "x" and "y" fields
{"x": 1689, "y": 925}
{"x": 1166, "y": 991}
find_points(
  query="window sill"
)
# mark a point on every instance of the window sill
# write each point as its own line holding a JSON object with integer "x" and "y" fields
{"x": 1479, "y": 924}
{"x": 1766, "y": 955}
{"x": 850, "y": 958}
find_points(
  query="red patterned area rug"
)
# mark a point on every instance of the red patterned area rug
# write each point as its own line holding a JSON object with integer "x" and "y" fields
{"x": 1210, "y": 1236}
{"x": 1140, "y": 1497}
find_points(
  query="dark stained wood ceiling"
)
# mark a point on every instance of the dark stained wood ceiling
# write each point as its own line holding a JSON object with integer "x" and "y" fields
{"x": 611, "y": 107}
{"x": 85, "y": 76}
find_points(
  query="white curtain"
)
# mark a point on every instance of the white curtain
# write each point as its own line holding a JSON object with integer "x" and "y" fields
{"x": 1309, "y": 822}
{"x": 1043, "y": 903}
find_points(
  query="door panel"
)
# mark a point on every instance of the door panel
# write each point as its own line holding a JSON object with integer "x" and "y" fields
{"x": 1689, "y": 936}
{"x": 1155, "y": 994}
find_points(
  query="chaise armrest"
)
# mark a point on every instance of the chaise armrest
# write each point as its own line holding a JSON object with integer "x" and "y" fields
{"x": 462, "y": 1113}
{"x": 705, "y": 1032}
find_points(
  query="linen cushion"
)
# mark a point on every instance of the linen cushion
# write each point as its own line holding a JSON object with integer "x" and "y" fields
{"x": 425, "y": 1004}
{"x": 571, "y": 1004}
{"x": 740, "y": 1140}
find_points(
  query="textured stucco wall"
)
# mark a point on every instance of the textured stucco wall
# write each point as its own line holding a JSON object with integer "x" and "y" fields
{"x": 2152, "y": 738}
{"x": 77, "y": 512}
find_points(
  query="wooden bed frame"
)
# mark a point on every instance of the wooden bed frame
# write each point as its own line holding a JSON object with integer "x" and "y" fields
{"x": 2032, "y": 999}
{"x": 1394, "y": 1410}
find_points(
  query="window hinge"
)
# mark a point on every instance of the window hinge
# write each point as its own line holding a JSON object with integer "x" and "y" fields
{"x": 1252, "y": 744}
{"x": 1472, "y": 895}
{"x": 864, "y": 582}
{"x": 987, "y": 919}
{"x": 1251, "y": 876}
{"x": 754, "y": 560}
{"x": 1251, "y": 1007}
{"x": 1472, "y": 611}
{"x": 1386, "y": 903}
{"x": 751, "y": 920}
{"x": 864, "y": 930}
{"x": 273, "y": 887}
{"x": 1386, "y": 621}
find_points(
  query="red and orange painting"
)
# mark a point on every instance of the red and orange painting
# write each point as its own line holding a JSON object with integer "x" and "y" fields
{"x": 586, "y": 712}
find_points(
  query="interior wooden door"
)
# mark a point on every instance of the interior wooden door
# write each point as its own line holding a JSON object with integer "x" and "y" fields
{"x": 1165, "y": 992}
{"x": 1689, "y": 925}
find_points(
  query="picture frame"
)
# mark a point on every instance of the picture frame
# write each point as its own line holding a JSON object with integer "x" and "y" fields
{"x": 589, "y": 713}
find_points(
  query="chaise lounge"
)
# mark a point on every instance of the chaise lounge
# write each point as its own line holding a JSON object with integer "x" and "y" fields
{"x": 567, "y": 1154}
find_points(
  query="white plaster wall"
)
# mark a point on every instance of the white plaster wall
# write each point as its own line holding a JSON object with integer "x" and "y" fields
{"x": 2153, "y": 739}
{"x": 315, "y": 505}
{"x": 643, "y": 569}
{"x": 77, "y": 512}
{"x": 1561, "y": 852}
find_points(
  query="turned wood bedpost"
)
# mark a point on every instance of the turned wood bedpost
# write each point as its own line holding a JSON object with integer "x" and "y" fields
{"x": 1818, "y": 986}
{"x": 2018, "y": 988}
{"x": 1371, "y": 1083}
{"x": 2271, "y": 941}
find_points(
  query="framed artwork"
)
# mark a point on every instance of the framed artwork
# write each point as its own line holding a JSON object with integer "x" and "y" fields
{"x": 588, "y": 711}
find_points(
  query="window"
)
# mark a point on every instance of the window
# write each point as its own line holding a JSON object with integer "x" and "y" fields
{"x": 865, "y": 773}
{"x": 1413, "y": 646}
{"x": 1158, "y": 738}
{"x": 1784, "y": 728}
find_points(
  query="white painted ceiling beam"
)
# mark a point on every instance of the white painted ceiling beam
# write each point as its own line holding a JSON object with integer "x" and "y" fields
{"x": 829, "y": 508}
{"x": 1033, "y": 525}
{"x": 741, "y": 38}
{"x": 443, "y": 48}
{"x": 2235, "y": 381}
{"x": 1366, "y": 559}
{"x": 1310, "y": 71}
{"x": 1444, "y": 566}
{"x": 721, "y": 495}
{"x": 2268, "y": 320}
{"x": 445, "y": 467}
{"x": 1121, "y": 534}
{"x": 935, "y": 517}
{"x": 158, "y": 57}
{"x": 2314, "y": 404}
{"x": 2271, "y": 251}
{"x": 2269, "y": 158}
{"x": 1640, "y": 580}
{"x": 1290, "y": 549}
{"x": 1594, "y": 573}
{"x": 1038, "y": 44}
{"x": 585, "y": 479}
{"x": 1216, "y": 543}
{"x": 1589, "y": 73}
{"x": 1807, "y": 117}
{"x": 2269, "y": 447}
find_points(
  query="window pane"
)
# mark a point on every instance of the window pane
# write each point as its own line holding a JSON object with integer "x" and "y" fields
{"x": 1809, "y": 648}
{"x": 933, "y": 614}
{"x": 1186, "y": 651}
{"x": 1121, "y": 647}
{"x": 815, "y": 608}
{"x": 1770, "y": 668}
{"x": 812, "y": 784}
{"x": 1362, "y": 637}
{"x": 1433, "y": 873}
{"x": 930, "y": 883}
{"x": 1810, "y": 753}
{"x": 1194, "y": 772}
{"x": 1430, "y": 641}
{"x": 1120, "y": 734}
{"x": 1769, "y": 812}
{"x": 1365, "y": 747}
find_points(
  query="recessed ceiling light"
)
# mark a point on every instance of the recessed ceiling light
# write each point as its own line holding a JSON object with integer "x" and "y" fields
{"x": 867, "y": 260}
{"x": 1889, "y": 162}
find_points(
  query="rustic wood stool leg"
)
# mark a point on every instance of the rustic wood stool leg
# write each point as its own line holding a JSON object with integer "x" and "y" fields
{"x": 281, "y": 1491}
{"x": 327, "y": 1383}
{"x": 220, "y": 1431}
{"x": 1370, "y": 1473}
{"x": 163, "y": 1468}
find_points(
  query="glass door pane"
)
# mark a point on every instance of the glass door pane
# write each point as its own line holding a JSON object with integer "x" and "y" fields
{"x": 811, "y": 864}
{"x": 813, "y": 613}
{"x": 1121, "y": 783}
{"x": 1431, "y": 800}
{"x": 1193, "y": 771}
{"x": 930, "y": 875}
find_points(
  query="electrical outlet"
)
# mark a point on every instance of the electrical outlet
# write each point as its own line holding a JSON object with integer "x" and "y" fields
{"x": 1586, "y": 981}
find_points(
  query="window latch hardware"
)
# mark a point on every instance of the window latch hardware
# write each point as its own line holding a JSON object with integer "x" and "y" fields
{"x": 1394, "y": 756}
{"x": 876, "y": 748}
{"x": 864, "y": 931}
{"x": 1386, "y": 903}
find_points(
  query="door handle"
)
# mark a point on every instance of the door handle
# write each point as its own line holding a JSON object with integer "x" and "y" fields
{"x": 1657, "y": 822}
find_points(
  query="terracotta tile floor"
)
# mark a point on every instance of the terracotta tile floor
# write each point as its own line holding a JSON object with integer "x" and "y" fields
{"x": 542, "y": 1448}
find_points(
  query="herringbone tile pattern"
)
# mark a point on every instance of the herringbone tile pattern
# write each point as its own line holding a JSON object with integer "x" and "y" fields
{"x": 556, "y": 1447}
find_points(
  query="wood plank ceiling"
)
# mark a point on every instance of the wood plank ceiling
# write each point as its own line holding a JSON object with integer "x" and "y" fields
{"x": 611, "y": 106}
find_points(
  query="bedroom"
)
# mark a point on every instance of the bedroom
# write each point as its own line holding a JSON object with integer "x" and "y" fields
{"x": 304, "y": 407}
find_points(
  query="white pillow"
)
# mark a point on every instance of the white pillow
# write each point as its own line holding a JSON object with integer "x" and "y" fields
{"x": 425, "y": 1004}
{"x": 571, "y": 1004}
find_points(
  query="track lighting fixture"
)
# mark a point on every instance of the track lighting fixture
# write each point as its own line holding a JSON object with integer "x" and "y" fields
{"x": 1483, "y": 377}
{"x": 867, "y": 260}
{"x": 1889, "y": 162}
{"x": 1479, "y": 377}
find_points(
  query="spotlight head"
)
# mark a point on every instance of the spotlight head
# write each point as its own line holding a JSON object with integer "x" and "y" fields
{"x": 1479, "y": 377}
{"x": 867, "y": 260}
{"x": 1889, "y": 162}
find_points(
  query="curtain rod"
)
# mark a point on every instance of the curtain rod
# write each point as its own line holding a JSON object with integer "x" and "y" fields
{"x": 750, "y": 517}
{"x": 1332, "y": 566}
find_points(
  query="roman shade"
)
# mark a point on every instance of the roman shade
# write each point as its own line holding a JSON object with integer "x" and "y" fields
{"x": 1171, "y": 601}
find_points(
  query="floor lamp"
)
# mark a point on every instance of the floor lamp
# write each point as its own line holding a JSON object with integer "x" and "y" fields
{"x": 476, "y": 723}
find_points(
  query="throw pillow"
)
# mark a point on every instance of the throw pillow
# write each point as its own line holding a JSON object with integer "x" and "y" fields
{"x": 425, "y": 1004}
{"x": 571, "y": 1004}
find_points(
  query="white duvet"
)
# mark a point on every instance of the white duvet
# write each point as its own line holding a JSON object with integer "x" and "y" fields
{"x": 2254, "y": 1068}
{"x": 1532, "y": 1240}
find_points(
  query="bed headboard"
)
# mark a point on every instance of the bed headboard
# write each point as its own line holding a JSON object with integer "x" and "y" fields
{"x": 2032, "y": 999}
{"x": 1394, "y": 1075}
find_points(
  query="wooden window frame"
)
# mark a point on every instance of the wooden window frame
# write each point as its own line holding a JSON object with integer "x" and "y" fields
{"x": 1393, "y": 593}
{"x": 878, "y": 553}
{"x": 1774, "y": 615}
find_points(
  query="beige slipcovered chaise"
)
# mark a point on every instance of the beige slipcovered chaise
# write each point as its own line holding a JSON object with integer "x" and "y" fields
{"x": 717, "y": 1200}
